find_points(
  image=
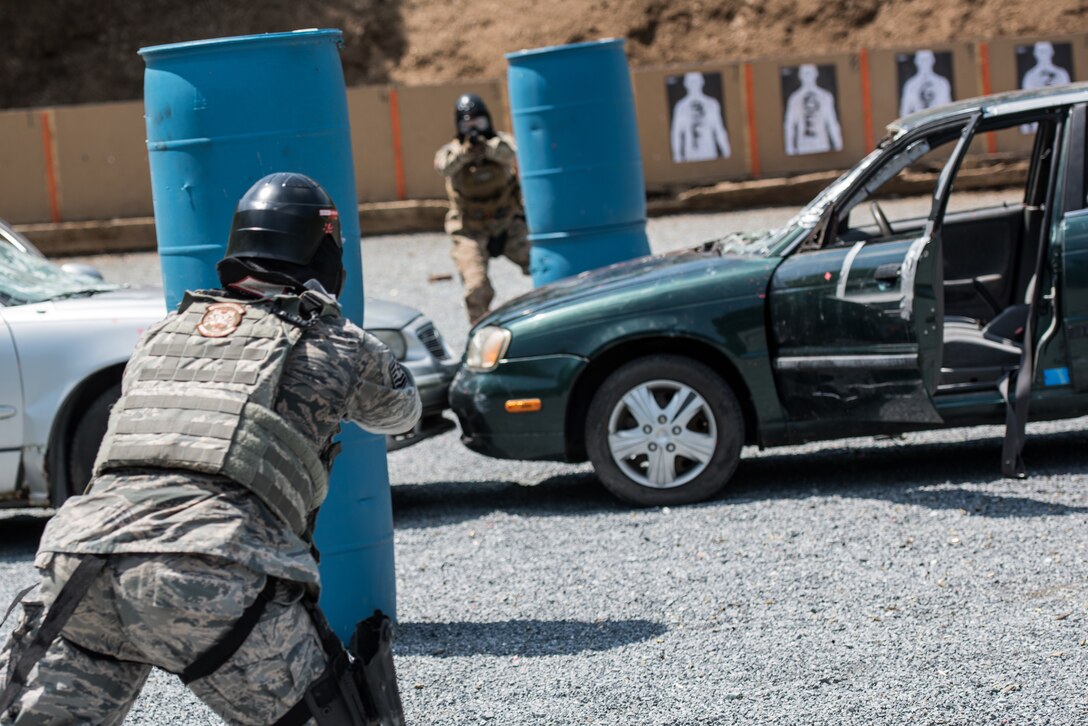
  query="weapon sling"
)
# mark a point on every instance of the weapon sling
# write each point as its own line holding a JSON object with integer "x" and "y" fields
{"x": 60, "y": 611}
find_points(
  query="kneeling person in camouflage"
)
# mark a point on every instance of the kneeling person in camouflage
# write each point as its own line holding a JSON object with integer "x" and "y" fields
{"x": 191, "y": 550}
{"x": 486, "y": 218}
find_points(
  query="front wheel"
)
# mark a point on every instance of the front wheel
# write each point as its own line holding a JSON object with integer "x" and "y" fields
{"x": 664, "y": 430}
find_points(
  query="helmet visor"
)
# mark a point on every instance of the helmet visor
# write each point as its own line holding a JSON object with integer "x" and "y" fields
{"x": 479, "y": 123}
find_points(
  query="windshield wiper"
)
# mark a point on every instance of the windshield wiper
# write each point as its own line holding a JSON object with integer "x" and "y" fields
{"x": 87, "y": 292}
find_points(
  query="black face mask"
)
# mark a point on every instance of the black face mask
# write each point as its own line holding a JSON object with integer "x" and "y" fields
{"x": 263, "y": 277}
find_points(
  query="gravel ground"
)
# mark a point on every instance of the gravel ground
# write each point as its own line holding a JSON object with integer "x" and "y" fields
{"x": 860, "y": 581}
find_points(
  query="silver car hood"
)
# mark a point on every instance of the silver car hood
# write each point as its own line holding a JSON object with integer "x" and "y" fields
{"x": 147, "y": 302}
{"x": 144, "y": 303}
{"x": 384, "y": 314}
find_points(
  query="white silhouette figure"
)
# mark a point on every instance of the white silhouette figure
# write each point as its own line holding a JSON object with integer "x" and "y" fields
{"x": 698, "y": 132}
{"x": 811, "y": 125}
{"x": 1044, "y": 73}
{"x": 926, "y": 88}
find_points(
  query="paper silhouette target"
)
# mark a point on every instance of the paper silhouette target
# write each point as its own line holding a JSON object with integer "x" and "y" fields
{"x": 1043, "y": 64}
{"x": 925, "y": 80}
{"x": 697, "y": 129}
{"x": 811, "y": 117}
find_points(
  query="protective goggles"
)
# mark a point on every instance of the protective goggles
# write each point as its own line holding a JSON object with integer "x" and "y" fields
{"x": 480, "y": 123}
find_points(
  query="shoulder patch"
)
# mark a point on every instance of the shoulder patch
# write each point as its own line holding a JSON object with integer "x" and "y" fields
{"x": 220, "y": 319}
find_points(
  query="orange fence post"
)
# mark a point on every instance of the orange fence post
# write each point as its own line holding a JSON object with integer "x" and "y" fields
{"x": 398, "y": 146}
{"x": 984, "y": 68}
{"x": 750, "y": 104}
{"x": 49, "y": 150}
{"x": 866, "y": 98}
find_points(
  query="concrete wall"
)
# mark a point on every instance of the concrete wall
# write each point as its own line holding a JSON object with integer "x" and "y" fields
{"x": 90, "y": 162}
{"x": 24, "y": 183}
{"x": 102, "y": 161}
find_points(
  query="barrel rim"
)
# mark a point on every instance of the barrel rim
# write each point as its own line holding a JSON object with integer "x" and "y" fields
{"x": 555, "y": 49}
{"x": 214, "y": 44}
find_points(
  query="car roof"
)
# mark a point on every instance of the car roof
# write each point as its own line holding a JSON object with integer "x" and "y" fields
{"x": 998, "y": 104}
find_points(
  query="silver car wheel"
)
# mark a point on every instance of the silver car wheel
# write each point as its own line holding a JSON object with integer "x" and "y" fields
{"x": 662, "y": 434}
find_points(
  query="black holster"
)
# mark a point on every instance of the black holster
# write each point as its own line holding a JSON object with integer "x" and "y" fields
{"x": 359, "y": 685}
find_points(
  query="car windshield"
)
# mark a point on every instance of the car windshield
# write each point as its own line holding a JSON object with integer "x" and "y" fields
{"x": 26, "y": 278}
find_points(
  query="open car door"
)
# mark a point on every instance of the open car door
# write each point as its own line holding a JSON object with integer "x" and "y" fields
{"x": 1073, "y": 234}
{"x": 857, "y": 327}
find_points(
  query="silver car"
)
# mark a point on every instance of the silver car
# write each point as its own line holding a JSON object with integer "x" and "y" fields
{"x": 65, "y": 337}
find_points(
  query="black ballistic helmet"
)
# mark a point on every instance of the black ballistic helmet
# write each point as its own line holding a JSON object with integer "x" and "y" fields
{"x": 469, "y": 108}
{"x": 287, "y": 223}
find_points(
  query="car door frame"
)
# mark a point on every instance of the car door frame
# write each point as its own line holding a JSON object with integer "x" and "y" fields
{"x": 883, "y": 387}
{"x": 11, "y": 413}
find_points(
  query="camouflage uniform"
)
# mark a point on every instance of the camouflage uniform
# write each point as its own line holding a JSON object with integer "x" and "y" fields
{"x": 486, "y": 218}
{"x": 189, "y": 552}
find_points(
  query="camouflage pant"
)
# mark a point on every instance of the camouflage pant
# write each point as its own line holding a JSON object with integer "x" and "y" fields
{"x": 472, "y": 250}
{"x": 163, "y": 610}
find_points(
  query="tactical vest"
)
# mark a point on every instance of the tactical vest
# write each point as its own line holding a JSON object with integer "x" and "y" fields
{"x": 201, "y": 398}
{"x": 484, "y": 189}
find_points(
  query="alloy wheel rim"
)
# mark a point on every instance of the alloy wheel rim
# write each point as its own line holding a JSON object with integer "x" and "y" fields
{"x": 662, "y": 434}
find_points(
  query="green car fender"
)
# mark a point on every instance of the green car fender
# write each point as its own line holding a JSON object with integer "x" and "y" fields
{"x": 719, "y": 319}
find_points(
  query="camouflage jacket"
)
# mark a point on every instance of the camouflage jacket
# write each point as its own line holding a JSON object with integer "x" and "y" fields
{"x": 335, "y": 371}
{"x": 481, "y": 183}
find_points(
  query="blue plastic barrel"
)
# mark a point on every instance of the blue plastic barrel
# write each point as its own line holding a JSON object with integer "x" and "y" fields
{"x": 578, "y": 153}
{"x": 220, "y": 115}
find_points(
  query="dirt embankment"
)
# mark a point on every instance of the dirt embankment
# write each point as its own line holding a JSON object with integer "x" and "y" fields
{"x": 75, "y": 51}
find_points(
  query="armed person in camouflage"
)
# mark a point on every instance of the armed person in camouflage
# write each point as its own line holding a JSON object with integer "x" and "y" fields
{"x": 191, "y": 549}
{"x": 486, "y": 218}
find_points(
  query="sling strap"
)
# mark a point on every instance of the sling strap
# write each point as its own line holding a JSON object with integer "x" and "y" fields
{"x": 15, "y": 601}
{"x": 60, "y": 611}
{"x": 224, "y": 649}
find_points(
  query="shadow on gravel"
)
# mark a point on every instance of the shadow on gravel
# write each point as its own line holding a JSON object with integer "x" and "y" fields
{"x": 441, "y": 503}
{"x": 19, "y": 536}
{"x": 525, "y": 638}
{"x": 908, "y": 474}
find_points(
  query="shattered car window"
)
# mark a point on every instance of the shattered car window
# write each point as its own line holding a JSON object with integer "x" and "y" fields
{"x": 25, "y": 278}
{"x": 891, "y": 168}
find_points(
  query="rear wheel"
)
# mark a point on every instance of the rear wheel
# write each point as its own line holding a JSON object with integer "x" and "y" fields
{"x": 664, "y": 430}
{"x": 87, "y": 435}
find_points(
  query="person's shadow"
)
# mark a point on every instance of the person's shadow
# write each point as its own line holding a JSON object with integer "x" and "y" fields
{"x": 523, "y": 638}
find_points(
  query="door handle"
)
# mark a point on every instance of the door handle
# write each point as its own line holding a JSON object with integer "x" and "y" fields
{"x": 888, "y": 272}
{"x": 7, "y": 412}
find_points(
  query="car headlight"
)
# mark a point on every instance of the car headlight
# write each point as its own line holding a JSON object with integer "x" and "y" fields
{"x": 393, "y": 340}
{"x": 487, "y": 348}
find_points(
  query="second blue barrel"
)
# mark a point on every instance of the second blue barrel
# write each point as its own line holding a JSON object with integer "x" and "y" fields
{"x": 573, "y": 112}
{"x": 220, "y": 115}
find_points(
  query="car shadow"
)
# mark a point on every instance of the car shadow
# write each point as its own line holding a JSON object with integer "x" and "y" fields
{"x": 931, "y": 475}
{"x": 522, "y": 638}
{"x": 19, "y": 536}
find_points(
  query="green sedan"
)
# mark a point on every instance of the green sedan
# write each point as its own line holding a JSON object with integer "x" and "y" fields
{"x": 845, "y": 322}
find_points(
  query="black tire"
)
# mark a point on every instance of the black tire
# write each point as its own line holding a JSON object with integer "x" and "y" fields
{"x": 86, "y": 437}
{"x": 718, "y": 421}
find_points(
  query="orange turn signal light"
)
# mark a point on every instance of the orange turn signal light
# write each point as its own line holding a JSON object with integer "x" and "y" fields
{"x": 523, "y": 405}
